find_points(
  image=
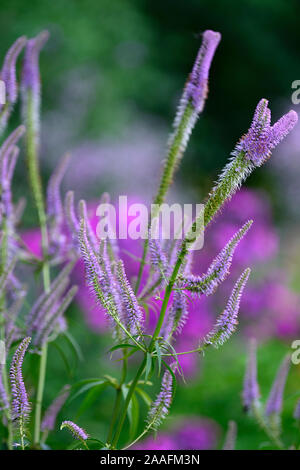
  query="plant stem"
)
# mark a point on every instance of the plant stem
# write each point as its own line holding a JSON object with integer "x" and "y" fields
{"x": 177, "y": 145}
{"x": 127, "y": 402}
{"x": 36, "y": 187}
{"x": 40, "y": 392}
{"x": 117, "y": 399}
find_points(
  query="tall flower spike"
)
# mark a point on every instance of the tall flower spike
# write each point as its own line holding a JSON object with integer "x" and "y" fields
{"x": 20, "y": 406}
{"x": 218, "y": 270}
{"x": 133, "y": 315}
{"x": 161, "y": 405}
{"x": 251, "y": 151}
{"x": 274, "y": 403}
{"x": 77, "y": 431}
{"x": 228, "y": 320}
{"x": 191, "y": 105}
{"x": 251, "y": 390}
{"x": 196, "y": 88}
{"x": 48, "y": 423}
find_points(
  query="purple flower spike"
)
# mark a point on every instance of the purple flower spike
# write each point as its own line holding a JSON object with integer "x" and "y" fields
{"x": 228, "y": 320}
{"x": 132, "y": 311}
{"x": 30, "y": 72}
{"x": 8, "y": 72}
{"x": 274, "y": 403}
{"x": 161, "y": 405}
{"x": 262, "y": 138}
{"x": 197, "y": 84}
{"x": 218, "y": 270}
{"x": 77, "y": 431}
{"x": 251, "y": 389}
{"x": 178, "y": 314}
{"x": 20, "y": 404}
{"x": 48, "y": 423}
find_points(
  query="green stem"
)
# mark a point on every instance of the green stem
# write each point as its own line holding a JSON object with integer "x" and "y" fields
{"x": 174, "y": 155}
{"x": 127, "y": 402}
{"x": 40, "y": 393}
{"x": 36, "y": 187}
{"x": 118, "y": 399}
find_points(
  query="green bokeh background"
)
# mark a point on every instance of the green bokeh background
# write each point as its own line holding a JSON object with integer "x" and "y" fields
{"x": 157, "y": 42}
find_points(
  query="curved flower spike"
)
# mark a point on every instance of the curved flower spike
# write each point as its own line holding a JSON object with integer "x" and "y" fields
{"x": 228, "y": 320}
{"x": 8, "y": 72}
{"x": 76, "y": 431}
{"x": 161, "y": 405}
{"x": 218, "y": 270}
{"x": 20, "y": 406}
{"x": 251, "y": 151}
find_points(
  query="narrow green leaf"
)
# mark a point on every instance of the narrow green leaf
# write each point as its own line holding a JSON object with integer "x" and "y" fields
{"x": 158, "y": 352}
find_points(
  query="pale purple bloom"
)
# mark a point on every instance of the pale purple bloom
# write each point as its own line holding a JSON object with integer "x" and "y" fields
{"x": 161, "y": 405}
{"x": 31, "y": 72}
{"x": 262, "y": 138}
{"x": 274, "y": 403}
{"x": 49, "y": 419}
{"x": 20, "y": 405}
{"x": 251, "y": 390}
{"x": 8, "y": 72}
{"x": 76, "y": 430}
{"x": 177, "y": 314}
{"x": 196, "y": 88}
{"x": 228, "y": 320}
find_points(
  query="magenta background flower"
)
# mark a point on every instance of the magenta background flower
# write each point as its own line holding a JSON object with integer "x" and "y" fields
{"x": 187, "y": 434}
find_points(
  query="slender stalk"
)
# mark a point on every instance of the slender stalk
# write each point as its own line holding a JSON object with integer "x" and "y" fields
{"x": 127, "y": 402}
{"x": 176, "y": 148}
{"x": 36, "y": 187}
{"x": 118, "y": 398}
{"x": 40, "y": 393}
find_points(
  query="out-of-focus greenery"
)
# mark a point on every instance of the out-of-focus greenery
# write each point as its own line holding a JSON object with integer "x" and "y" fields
{"x": 137, "y": 54}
